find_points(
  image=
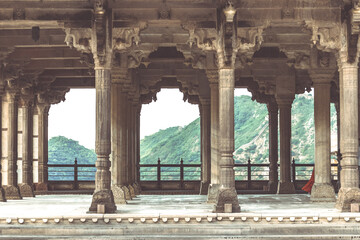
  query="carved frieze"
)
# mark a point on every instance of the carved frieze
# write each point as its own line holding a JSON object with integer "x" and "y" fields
{"x": 19, "y": 14}
{"x": 164, "y": 12}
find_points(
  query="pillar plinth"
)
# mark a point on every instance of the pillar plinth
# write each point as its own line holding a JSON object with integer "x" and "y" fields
{"x": 103, "y": 193}
{"x": 322, "y": 190}
{"x": 26, "y": 187}
{"x": 12, "y": 191}
{"x": 273, "y": 146}
{"x": 227, "y": 192}
{"x": 205, "y": 145}
{"x": 285, "y": 185}
{"x": 349, "y": 175}
{"x": 213, "y": 78}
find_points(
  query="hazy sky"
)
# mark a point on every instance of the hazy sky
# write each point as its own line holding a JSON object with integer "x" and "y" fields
{"x": 75, "y": 118}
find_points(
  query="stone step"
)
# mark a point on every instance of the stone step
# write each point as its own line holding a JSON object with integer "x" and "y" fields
{"x": 180, "y": 231}
{"x": 187, "y": 237}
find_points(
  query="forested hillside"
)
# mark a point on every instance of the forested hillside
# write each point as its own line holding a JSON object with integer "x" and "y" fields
{"x": 63, "y": 151}
{"x": 251, "y": 137}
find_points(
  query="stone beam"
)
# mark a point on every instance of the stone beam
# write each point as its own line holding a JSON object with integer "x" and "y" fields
{"x": 74, "y": 82}
{"x": 70, "y": 63}
{"x": 44, "y": 52}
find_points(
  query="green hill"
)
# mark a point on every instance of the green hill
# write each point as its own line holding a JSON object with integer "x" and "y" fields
{"x": 251, "y": 135}
{"x": 63, "y": 151}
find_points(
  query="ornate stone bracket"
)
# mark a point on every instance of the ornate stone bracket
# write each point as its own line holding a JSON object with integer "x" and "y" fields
{"x": 248, "y": 40}
{"x": 79, "y": 38}
{"x": 190, "y": 89}
{"x": 52, "y": 96}
{"x": 124, "y": 38}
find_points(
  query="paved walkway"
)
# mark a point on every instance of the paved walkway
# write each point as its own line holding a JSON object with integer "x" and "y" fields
{"x": 77, "y": 205}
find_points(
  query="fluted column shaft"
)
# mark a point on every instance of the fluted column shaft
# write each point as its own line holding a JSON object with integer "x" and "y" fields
{"x": 213, "y": 77}
{"x": 118, "y": 143}
{"x": 227, "y": 193}
{"x": 322, "y": 189}
{"x": 285, "y": 184}
{"x": 273, "y": 146}
{"x": 2, "y": 193}
{"x": 349, "y": 175}
{"x": 26, "y": 187}
{"x": 43, "y": 115}
{"x": 131, "y": 162}
{"x": 12, "y": 189}
{"x": 205, "y": 145}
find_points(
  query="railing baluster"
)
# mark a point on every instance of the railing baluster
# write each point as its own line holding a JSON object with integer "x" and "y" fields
{"x": 249, "y": 173}
{"x": 181, "y": 174}
{"x": 76, "y": 185}
{"x": 159, "y": 174}
{"x": 293, "y": 171}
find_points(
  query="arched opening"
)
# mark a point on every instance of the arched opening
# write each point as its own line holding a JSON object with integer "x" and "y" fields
{"x": 170, "y": 130}
{"x": 71, "y": 134}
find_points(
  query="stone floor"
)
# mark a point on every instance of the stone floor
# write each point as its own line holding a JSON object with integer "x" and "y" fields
{"x": 75, "y": 205}
{"x": 176, "y": 217}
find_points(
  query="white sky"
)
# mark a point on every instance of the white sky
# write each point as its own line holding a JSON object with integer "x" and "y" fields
{"x": 75, "y": 118}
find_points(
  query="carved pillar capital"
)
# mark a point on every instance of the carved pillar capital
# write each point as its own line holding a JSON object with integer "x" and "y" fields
{"x": 212, "y": 76}
{"x": 284, "y": 101}
{"x": 320, "y": 76}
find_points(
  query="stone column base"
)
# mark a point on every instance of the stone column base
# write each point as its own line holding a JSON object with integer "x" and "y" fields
{"x": 322, "y": 192}
{"x": 119, "y": 194}
{"x": 213, "y": 193}
{"x": 127, "y": 192}
{"x": 41, "y": 187}
{"x": 204, "y": 188}
{"x": 272, "y": 187}
{"x": 26, "y": 190}
{"x": 286, "y": 188}
{"x": 132, "y": 191}
{"x": 346, "y": 196}
{"x": 136, "y": 187}
{"x": 105, "y": 197}
{"x": 2, "y": 195}
{"x": 12, "y": 192}
{"x": 227, "y": 196}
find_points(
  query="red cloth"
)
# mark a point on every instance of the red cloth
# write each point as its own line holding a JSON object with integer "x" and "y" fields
{"x": 310, "y": 183}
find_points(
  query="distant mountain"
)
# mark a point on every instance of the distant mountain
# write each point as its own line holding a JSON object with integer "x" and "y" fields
{"x": 251, "y": 135}
{"x": 63, "y": 150}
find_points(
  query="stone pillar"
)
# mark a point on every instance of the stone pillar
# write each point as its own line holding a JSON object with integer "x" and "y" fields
{"x": 118, "y": 166}
{"x": 138, "y": 114}
{"x": 213, "y": 77}
{"x": 130, "y": 166}
{"x": 11, "y": 189}
{"x": 349, "y": 176}
{"x": 43, "y": 116}
{"x": 322, "y": 189}
{"x": 103, "y": 193}
{"x": 26, "y": 187}
{"x": 2, "y": 192}
{"x": 205, "y": 145}
{"x": 227, "y": 192}
{"x": 273, "y": 146}
{"x": 285, "y": 185}
{"x": 136, "y": 144}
